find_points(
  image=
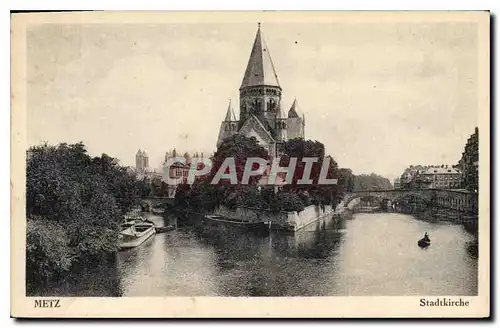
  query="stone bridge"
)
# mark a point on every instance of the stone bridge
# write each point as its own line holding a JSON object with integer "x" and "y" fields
{"x": 461, "y": 200}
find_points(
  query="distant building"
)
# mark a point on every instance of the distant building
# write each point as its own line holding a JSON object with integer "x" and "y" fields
{"x": 141, "y": 161}
{"x": 409, "y": 178}
{"x": 430, "y": 176}
{"x": 397, "y": 183}
{"x": 445, "y": 177}
{"x": 179, "y": 171}
{"x": 469, "y": 163}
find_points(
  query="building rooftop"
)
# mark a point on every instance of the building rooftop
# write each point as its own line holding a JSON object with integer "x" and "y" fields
{"x": 441, "y": 170}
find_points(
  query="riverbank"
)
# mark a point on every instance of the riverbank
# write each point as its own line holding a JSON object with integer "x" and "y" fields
{"x": 283, "y": 221}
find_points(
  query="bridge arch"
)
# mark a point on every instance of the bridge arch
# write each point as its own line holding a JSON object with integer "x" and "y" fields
{"x": 461, "y": 200}
{"x": 151, "y": 202}
{"x": 393, "y": 195}
{"x": 355, "y": 196}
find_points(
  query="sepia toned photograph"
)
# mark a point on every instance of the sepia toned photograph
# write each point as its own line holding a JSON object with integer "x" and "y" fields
{"x": 250, "y": 164}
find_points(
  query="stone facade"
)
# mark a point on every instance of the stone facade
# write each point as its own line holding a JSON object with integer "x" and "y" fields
{"x": 430, "y": 177}
{"x": 178, "y": 171}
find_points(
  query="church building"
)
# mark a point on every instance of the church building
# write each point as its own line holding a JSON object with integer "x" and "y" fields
{"x": 260, "y": 105}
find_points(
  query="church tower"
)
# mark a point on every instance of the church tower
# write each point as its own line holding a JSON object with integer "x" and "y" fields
{"x": 141, "y": 160}
{"x": 260, "y": 91}
{"x": 260, "y": 105}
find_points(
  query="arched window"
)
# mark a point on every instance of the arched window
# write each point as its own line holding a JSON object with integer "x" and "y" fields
{"x": 272, "y": 105}
{"x": 258, "y": 105}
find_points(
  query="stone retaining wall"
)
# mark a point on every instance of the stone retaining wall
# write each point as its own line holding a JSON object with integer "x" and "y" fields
{"x": 289, "y": 221}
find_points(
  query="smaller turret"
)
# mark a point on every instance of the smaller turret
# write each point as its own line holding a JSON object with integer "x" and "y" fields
{"x": 229, "y": 126}
{"x": 296, "y": 124}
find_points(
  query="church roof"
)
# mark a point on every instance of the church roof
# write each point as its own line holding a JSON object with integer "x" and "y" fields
{"x": 260, "y": 68}
{"x": 254, "y": 122}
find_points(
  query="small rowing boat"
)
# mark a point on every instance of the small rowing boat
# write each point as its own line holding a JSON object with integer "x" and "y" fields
{"x": 424, "y": 242}
{"x": 136, "y": 234}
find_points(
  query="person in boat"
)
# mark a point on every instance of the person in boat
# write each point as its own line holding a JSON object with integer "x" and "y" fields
{"x": 426, "y": 237}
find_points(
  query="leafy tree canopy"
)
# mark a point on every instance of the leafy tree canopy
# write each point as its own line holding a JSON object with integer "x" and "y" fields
{"x": 74, "y": 205}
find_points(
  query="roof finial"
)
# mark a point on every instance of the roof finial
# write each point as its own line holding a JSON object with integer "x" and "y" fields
{"x": 259, "y": 25}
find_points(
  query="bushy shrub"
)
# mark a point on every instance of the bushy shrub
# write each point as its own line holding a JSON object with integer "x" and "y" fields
{"x": 243, "y": 196}
{"x": 287, "y": 201}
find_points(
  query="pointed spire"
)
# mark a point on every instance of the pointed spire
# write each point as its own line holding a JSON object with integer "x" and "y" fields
{"x": 292, "y": 113}
{"x": 230, "y": 117}
{"x": 260, "y": 68}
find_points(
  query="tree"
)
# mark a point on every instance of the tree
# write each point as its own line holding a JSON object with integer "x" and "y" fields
{"x": 371, "y": 182}
{"x": 158, "y": 187}
{"x": 346, "y": 180}
{"x": 287, "y": 201}
{"x": 74, "y": 205}
{"x": 318, "y": 193}
{"x": 240, "y": 148}
{"x": 181, "y": 198}
{"x": 299, "y": 148}
{"x": 123, "y": 186}
{"x": 203, "y": 195}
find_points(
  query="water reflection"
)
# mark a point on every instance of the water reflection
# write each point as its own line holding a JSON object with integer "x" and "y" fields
{"x": 383, "y": 258}
{"x": 370, "y": 254}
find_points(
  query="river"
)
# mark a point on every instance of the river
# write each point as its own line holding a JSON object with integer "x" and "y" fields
{"x": 372, "y": 254}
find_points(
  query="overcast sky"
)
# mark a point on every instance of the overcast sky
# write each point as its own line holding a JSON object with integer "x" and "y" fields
{"x": 379, "y": 96}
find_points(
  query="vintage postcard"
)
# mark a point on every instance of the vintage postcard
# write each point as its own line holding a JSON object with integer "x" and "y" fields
{"x": 250, "y": 164}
